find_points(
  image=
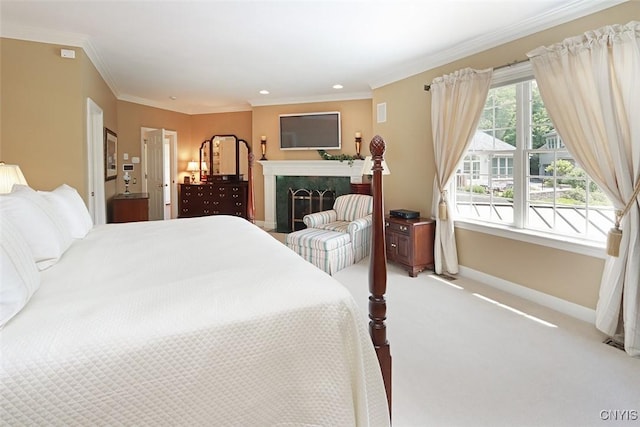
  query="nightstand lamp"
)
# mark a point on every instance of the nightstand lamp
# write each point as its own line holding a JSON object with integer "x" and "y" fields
{"x": 368, "y": 164}
{"x": 9, "y": 175}
{"x": 366, "y": 186}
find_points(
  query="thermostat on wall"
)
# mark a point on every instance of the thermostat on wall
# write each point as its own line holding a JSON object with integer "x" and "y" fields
{"x": 127, "y": 167}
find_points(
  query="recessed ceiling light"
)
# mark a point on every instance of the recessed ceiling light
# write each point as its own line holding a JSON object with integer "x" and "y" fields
{"x": 264, "y": 92}
{"x": 337, "y": 86}
{"x": 173, "y": 97}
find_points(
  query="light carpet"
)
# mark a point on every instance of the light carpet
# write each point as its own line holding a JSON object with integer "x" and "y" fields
{"x": 466, "y": 354}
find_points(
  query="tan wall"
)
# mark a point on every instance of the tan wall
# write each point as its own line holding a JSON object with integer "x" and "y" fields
{"x": 43, "y": 112}
{"x": 409, "y": 142}
{"x": 355, "y": 117}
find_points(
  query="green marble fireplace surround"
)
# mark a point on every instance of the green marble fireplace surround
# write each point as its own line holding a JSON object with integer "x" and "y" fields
{"x": 338, "y": 185}
{"x": 280, "y": 175}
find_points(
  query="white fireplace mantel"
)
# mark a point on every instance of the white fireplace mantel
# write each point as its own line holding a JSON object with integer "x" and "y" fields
{"x": 273, "y": 168}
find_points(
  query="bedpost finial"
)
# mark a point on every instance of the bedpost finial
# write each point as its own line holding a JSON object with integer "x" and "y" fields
{"x": 377, "y": 146}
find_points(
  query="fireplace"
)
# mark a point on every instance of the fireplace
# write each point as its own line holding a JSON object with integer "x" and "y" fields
{"x": 280, "y": 175}
{"x": 303, "y": 201}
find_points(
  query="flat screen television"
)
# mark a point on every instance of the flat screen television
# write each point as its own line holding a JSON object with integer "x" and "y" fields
{"x": 310, "y": 131}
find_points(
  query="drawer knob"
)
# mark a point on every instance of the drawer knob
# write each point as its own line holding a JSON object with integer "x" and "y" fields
{"x": 403, "y": 228}
{"x": 386, "y": 224}
{"x": 393, "y": 245}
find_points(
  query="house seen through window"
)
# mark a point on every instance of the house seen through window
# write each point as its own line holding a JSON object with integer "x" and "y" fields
{"x": 518, "y": 172}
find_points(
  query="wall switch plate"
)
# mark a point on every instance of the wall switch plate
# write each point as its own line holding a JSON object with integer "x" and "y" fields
{"x": 135, "y": 160}
{"x": 125, "y": 156}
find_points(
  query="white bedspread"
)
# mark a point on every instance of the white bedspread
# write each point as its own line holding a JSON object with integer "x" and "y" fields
{"x": 202, "y": 321}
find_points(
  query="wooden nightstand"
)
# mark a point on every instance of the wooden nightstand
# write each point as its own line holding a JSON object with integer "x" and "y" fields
{"x": 131, "y": 207}
{"x": 410, "y": 243}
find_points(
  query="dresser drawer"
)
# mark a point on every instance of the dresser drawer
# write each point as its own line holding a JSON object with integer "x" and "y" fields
{"x": 213, "y": 199}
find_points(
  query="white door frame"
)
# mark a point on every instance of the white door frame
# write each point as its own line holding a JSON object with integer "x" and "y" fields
{"x": 173, "y": 136}
{"x": 96, "y": 203}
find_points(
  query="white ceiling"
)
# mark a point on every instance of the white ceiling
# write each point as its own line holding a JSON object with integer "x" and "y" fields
{"x": 215, "y": 56}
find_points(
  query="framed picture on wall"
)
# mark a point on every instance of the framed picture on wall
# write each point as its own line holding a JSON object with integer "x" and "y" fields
{"x": 110, "y": 155}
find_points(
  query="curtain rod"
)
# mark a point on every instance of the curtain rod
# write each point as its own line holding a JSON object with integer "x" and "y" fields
{"x": 510, "y": 64}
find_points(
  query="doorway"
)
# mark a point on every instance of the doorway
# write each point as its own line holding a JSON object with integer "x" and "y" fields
{"x": 159, "y": 167}
{"x": 96, "y": 203}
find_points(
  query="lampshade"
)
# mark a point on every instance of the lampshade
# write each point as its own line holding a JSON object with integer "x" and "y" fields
{"x": 368, "y": 164}
{"x": 9, "y": 175}
{"x": 192, "y": 166}
{"x": 204, "y": 167}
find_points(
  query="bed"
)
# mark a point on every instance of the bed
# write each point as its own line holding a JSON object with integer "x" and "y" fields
{"x": 169, "y": 323}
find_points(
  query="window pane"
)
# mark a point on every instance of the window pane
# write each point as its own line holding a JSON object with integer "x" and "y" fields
{"x": 559, "y": 198}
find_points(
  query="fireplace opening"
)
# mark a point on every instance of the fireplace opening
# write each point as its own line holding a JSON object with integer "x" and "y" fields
{"x": 339, "y": 185}
{"x": 303, "y": 201}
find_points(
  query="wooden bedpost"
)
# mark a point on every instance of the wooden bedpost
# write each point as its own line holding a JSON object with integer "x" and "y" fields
{"x": 378, "y": 270}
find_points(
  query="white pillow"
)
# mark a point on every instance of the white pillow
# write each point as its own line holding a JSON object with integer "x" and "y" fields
{"x": 38, "y": 223}
{"x": 19, "y": 276}
{"x": 71, "y": 207}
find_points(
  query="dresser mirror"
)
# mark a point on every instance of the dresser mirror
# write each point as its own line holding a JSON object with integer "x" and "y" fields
{"x": 225, "y": 158}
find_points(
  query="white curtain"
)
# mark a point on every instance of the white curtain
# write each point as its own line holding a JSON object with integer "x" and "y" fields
{"x": 590, "y": 85}
{"x": 457, "y": 101}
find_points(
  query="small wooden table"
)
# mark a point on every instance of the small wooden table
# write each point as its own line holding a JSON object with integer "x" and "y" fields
{"x": 131, "y": 207}
{"x": 409, "y": 242}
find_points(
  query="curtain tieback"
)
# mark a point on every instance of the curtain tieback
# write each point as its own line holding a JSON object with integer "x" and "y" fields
{"x": 615, "y": 234}
{"x": 442, "y": 206}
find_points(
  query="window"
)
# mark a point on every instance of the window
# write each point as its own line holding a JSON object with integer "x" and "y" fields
{"x": 471, "y": 166}
{"x": 517, "y": 171}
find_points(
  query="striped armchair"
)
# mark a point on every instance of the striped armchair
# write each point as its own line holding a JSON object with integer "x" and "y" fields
{"x": 351, "y": 214}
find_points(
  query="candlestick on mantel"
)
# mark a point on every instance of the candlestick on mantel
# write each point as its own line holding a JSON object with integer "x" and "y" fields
{"x": 263, "y": 146}
{"x": 358, "y": 145}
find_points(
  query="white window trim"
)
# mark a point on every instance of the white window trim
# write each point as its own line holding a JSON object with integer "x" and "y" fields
{"x": 510, "y": 75}
{"x": 564, "y": 243}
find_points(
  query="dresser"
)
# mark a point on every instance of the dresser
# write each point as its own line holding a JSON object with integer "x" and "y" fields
{"x": 410, "y": 243}
{"x": 130, "y": 207}
{"x": 214, "y": 198}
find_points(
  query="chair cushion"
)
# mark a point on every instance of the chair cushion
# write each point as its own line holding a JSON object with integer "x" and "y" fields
{"x": 353, "y": 206}
{"x": 339, "y": 226}
{"x": 318, "y": 239}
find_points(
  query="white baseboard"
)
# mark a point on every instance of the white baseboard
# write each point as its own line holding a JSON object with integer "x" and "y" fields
{"x": 554, "y": 303}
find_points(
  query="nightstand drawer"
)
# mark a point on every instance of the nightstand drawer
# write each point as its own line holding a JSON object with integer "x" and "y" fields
{"x": 398, "y": 228}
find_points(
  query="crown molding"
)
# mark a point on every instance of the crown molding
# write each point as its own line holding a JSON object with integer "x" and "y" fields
{"x": 565, "y": 13}
{"x": 177, "y": 108}
{"x": 352, "y": 96}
